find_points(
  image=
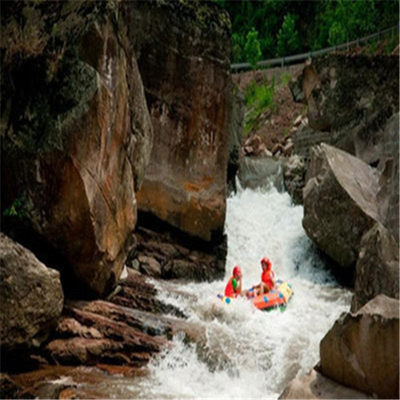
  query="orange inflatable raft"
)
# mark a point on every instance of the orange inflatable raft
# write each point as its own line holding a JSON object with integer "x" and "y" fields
{"x": 276, "y": 297}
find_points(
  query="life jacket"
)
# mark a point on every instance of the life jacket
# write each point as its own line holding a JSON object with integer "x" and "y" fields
{"x": 232, "y": 288}
{"x": 267, "y": 277}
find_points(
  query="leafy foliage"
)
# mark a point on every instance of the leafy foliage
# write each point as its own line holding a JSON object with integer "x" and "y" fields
{"x": 252, "y": 48}
{"x": 16, "y": 209}
{"x": 288, "y": 38}
{"x": 286, "y": 27}
{"x": 258, "y": 98}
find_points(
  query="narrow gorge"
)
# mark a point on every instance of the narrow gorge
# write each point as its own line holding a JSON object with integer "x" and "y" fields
{"x": 129, "y": 191}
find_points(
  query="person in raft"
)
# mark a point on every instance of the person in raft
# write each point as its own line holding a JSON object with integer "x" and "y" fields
{"x": 234, "y": 286}
{"x": 267, "y": 278}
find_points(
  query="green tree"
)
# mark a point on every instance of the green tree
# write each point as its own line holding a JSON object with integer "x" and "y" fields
{"x": 317, "y": 24}
{"x": 238, "y": 42}
{"x": 288, "y": 38}
{"x": 252, "y": 48}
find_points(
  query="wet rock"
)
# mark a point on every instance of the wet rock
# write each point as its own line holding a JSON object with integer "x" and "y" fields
{"x": 106, "y": 339}
{"x": 149, "y": 266}
{"x": 235, "y": 137}
{"x": 362, "y": 350}
{"x": 339, "y": 203}
{"x": 170, "y": 255}
{"x": 67, "y": 382}
{"x": 294, "y": 177}
{"x": 31, "y": 296}
{"x": 388, "y": 196}
{"x": 190, "y": 102}
{"x": 316, "y": 386}
{"x": 377, "y": 269}
{"x": 9, "y": 389}
{"x": 260, "y": 172}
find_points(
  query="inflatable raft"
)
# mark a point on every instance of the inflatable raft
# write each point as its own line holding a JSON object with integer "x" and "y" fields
{"x": 276, "y": 297}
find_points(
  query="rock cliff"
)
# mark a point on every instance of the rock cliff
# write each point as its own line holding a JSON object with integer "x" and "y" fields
{"x": 353, "y": 104}
{"x": 186, "y": 75}
{"x": 76, "y": 132}
{"x": 350, "y": 99}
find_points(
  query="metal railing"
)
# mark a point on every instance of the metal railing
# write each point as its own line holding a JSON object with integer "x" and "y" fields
{"x": 298, "y": 58}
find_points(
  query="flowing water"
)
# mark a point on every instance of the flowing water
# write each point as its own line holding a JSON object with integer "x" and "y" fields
{"x": 250, "y": 353}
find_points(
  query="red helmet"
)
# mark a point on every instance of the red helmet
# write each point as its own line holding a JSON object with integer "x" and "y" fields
{"x": 266, "y": 261}
{"x": 236, "y": 271}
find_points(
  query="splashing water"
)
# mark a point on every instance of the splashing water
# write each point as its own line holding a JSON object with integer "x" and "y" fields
{"x": 250, "y": 353}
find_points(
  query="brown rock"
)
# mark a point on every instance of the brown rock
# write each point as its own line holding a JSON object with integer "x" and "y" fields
{"x": 177, "y": 256}
{"x": 31, "y": 296}
{"x": 377, "y": 270}
{"x": 150, "y": 266}
{"x": 9, "y": 389}
{"x": 191, "y": 113}
{"x": 388, "y": 196}
{"x": 294, "y": 177}
{"x": 316, "y": 386}
{"x": 100, "y": 332}
{"x": 78, "y": 190}
{"x": 362, "y": 350}
{"x": 339, "y": 203}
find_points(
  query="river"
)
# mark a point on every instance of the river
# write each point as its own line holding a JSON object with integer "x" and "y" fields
{"x": 250, "y": 353}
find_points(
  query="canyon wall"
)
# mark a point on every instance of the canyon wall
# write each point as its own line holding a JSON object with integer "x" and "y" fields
{"x": 183, "y": 53}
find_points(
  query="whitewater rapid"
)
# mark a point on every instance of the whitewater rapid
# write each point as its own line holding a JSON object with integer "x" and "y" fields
{"x": 250, "y": 353}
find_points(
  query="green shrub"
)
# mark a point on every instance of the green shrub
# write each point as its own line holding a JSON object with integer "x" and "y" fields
{"x": 252, "y": 48}
{"x": 288, "y": 38}
{"x": 285, "y": 78}
{"x": 258, "y": 98}
{"x": 17, "y": 208}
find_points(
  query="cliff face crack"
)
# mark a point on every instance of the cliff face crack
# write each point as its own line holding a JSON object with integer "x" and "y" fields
{"x": 100, "y": 189}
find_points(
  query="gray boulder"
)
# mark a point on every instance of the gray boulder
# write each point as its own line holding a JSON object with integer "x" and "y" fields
{"x": 316, "y": 386}
{"x": 260, "y": 172}
{"x": 339, "y": 202}
{"x": 294, "y": 176}
{"x": 377, "y": 269}
{"x": 362, "y": 350}
{"x": 388, "y": 196}
{"x": 31, "y": 296}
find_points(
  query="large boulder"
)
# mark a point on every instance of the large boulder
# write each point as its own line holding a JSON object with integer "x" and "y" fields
{"x": 362, "y": 350}
{"x": 388, "y": 196}
{"x": 377, "y": 269}
{"x": 31, "y": 296}
{"x": 353, "y": 104}
{"x": 316, "y": 386}
{"x": 77, "y": 133}
{"x": 261, "y": 172}
{"x": 339, "y": 203}
{"x": 186, "y": 75}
